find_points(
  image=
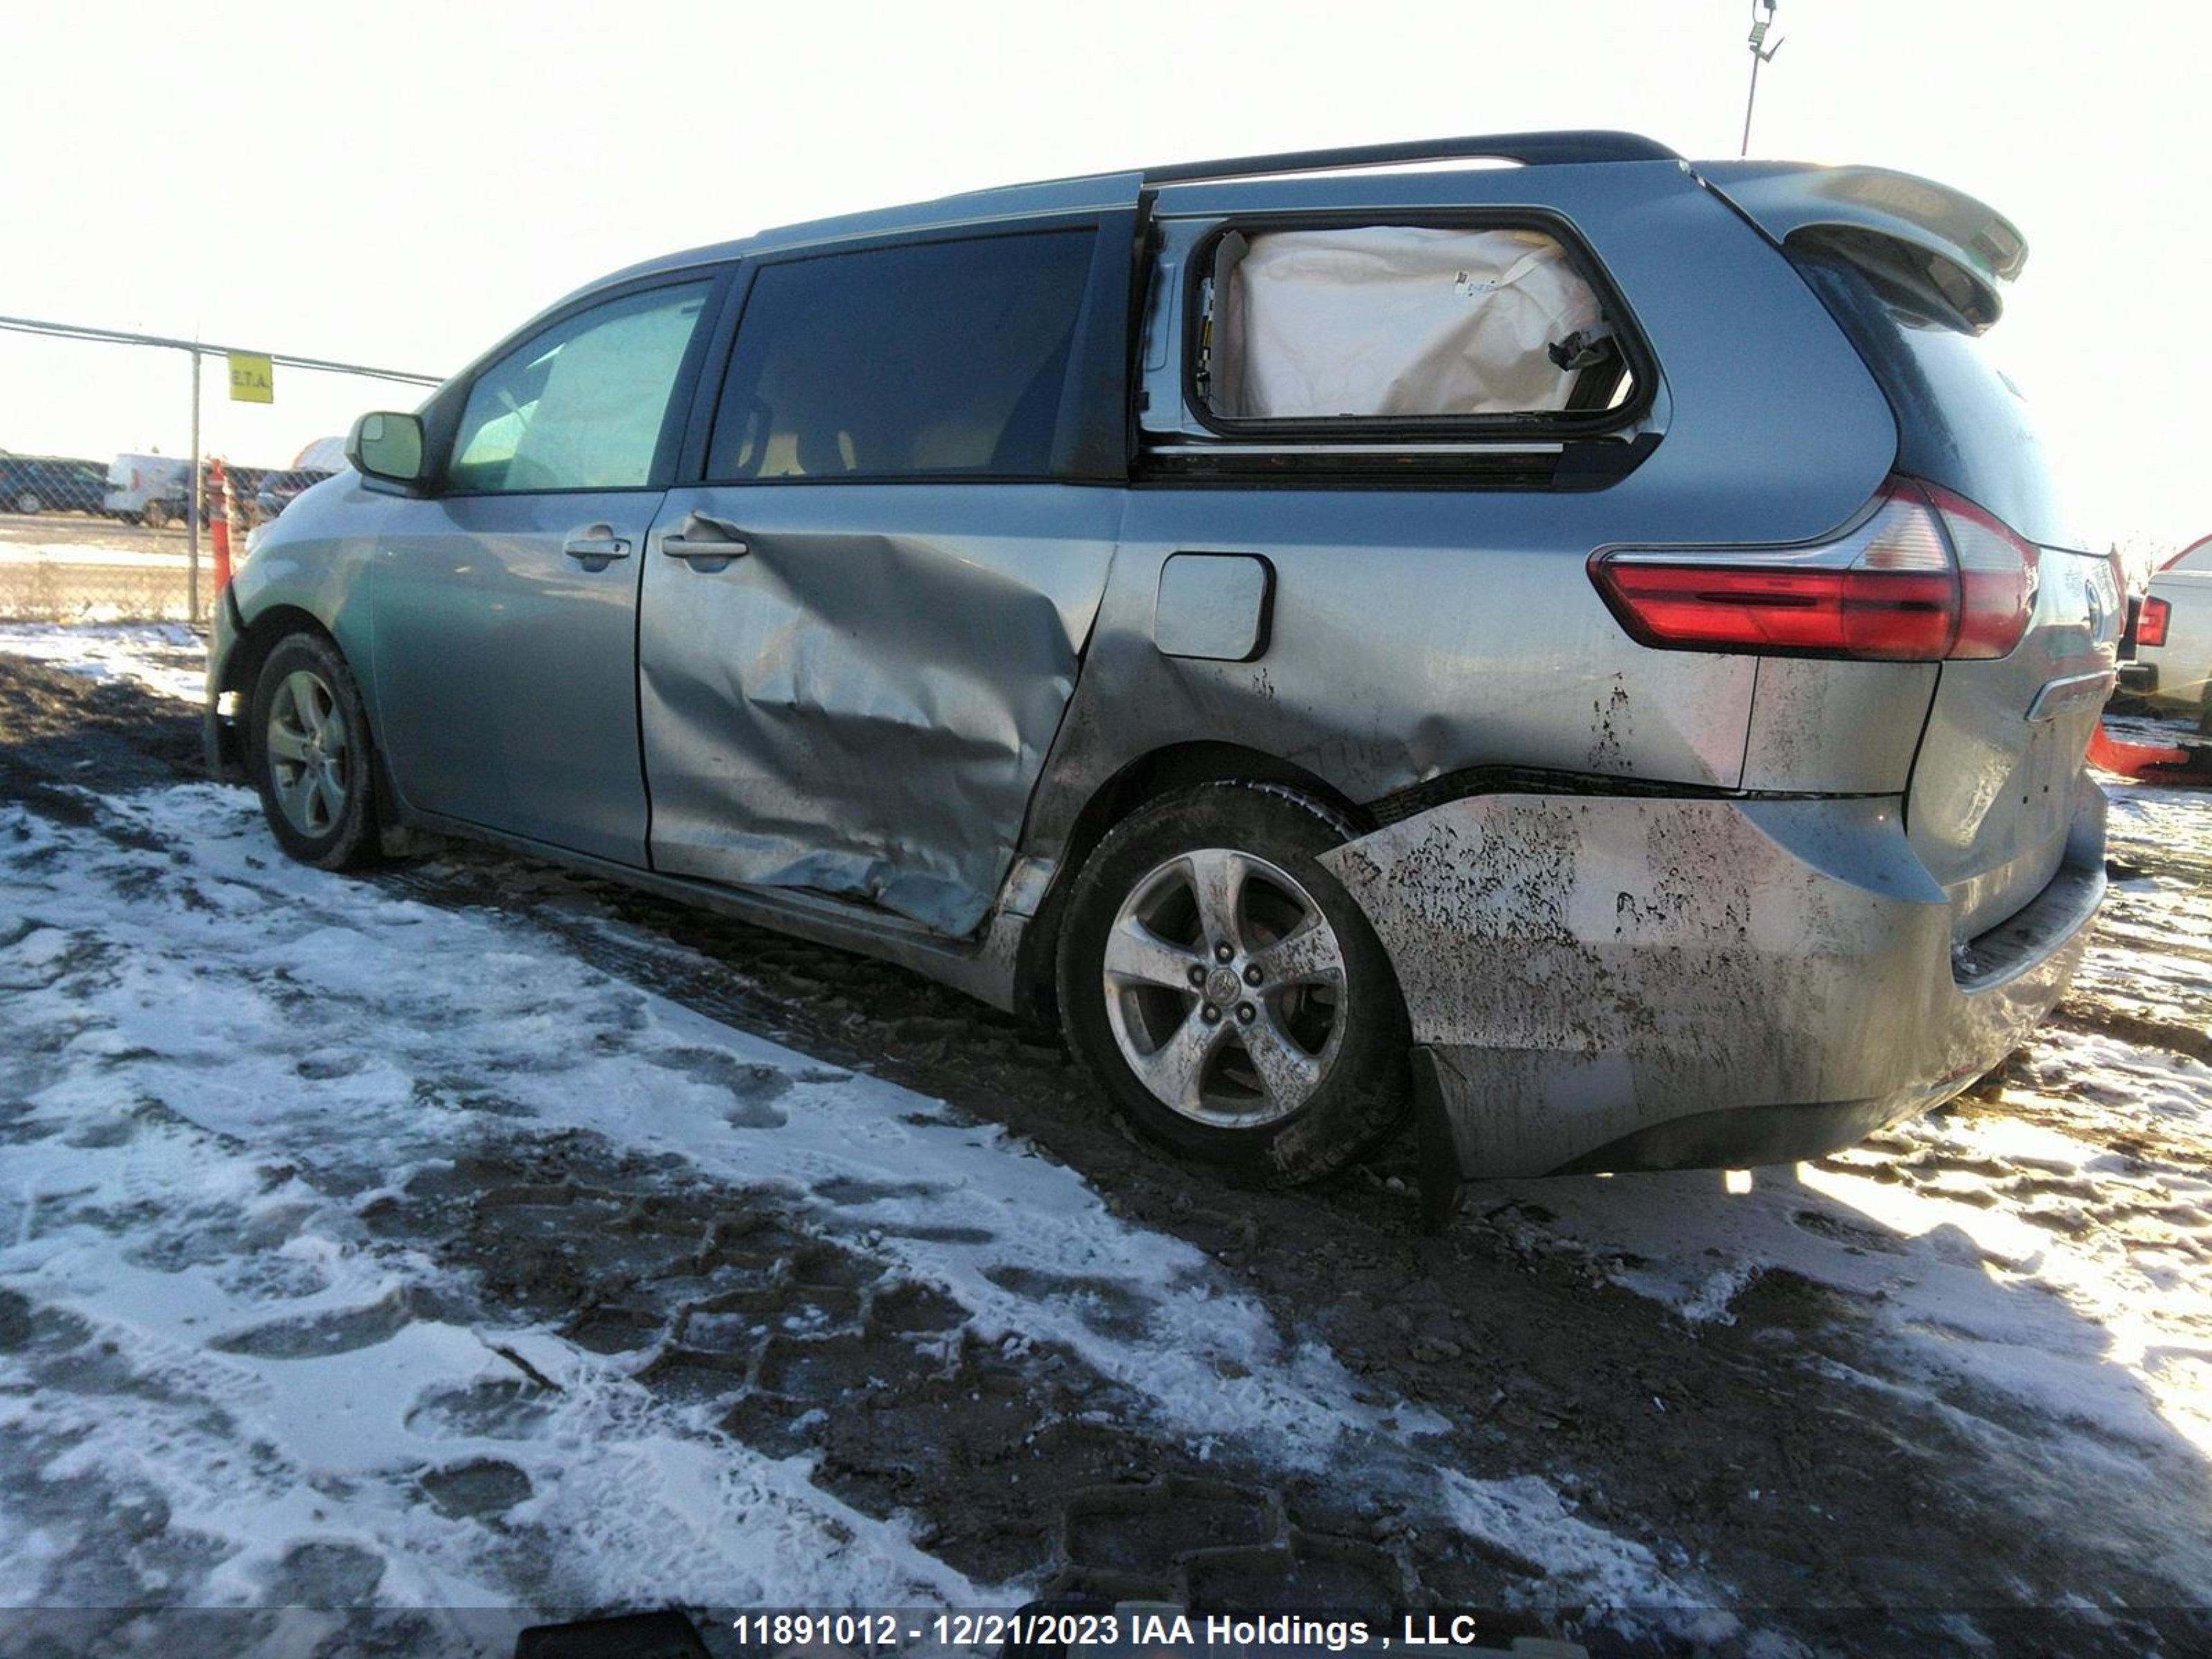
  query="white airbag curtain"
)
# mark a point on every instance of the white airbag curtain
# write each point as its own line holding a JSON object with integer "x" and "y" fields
{"x": 1393, "y": 320}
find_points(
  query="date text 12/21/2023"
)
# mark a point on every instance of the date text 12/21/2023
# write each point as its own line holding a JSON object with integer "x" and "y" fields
{"x": 1156, "y": 1629}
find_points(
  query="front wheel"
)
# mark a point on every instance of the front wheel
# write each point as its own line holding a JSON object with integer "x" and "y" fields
{"x": 28, "y": 502}
{"x": 311, "y": 755}
{"x": 1228, "y": 995}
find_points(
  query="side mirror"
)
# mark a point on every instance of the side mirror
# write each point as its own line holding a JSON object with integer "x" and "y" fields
{"x": 388, "y": 446}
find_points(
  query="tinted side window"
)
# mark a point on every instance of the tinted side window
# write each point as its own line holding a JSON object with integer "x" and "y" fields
{"x": 581, "y": 406}
{"x": 934, "y": 359}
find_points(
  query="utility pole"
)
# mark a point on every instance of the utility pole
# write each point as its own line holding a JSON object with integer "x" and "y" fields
{"x": 192, "y": 499}
{"x": 1760, "y": 54}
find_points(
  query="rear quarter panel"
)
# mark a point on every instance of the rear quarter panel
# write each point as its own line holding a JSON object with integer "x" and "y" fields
{"x": 1416, "y": 633}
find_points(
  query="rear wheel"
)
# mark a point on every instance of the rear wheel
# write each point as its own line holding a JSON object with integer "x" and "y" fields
{"x": 1225, "y": 990}
{"x": 312, "y": 761}
{"x": 154, "y": 515}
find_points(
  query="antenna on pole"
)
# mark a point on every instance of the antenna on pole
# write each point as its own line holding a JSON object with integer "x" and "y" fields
{"x": 1760, "y": 54}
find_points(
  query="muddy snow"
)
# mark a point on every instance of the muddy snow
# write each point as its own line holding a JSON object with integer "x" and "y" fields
{"x": 435, "y": 1252}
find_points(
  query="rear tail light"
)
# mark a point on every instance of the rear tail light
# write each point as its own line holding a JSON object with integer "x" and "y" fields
{"x": 1927, "y": 575}
{"x": 2150, "y": 625}
{"x": 1998, "y": 574}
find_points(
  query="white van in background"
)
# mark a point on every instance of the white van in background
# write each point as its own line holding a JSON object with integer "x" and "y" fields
{"x": 147, "y": 489}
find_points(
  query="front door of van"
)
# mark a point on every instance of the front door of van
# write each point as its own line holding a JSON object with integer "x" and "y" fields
{"x": 506, "y": 606}
{"x": 857, "y": 641}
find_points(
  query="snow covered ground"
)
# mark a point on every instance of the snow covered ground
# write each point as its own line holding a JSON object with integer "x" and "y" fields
{"x": 221, "y": 1068}
{"x": 222, "y": 1061}
{"x": 165, "y": 657}
{"x": 326, "y": 1205}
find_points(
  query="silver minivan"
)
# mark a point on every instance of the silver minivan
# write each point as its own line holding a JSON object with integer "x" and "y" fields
{"x": 1588, "y": 650}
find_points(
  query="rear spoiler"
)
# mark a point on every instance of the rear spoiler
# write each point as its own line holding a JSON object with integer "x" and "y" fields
{"x": 1960, "y": 249}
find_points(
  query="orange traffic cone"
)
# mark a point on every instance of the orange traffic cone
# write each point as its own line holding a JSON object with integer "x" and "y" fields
{"x": 219, "y": 526}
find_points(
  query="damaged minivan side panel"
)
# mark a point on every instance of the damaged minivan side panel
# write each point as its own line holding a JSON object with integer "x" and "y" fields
{"x": 1417, "y": 633}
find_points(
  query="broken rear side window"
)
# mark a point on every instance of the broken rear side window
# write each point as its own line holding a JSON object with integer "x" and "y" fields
{"x": 1401, "y": 326}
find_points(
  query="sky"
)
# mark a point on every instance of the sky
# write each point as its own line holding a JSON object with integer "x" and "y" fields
{"x": 399, "y": 184}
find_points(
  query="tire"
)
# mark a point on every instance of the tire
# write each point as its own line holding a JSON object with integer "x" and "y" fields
{"x": 1298, "y": 1069}
{"x": 154, "y": 515}
{"x": 312, "y": 758}
{"x": 28, "y": 502}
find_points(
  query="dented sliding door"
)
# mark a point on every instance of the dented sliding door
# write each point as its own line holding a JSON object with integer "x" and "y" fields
{"x": 857, "y": 639}
{"x": 860, "y": 701}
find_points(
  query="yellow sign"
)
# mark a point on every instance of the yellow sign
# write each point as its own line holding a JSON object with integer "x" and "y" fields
{"x": 252, "y": 380}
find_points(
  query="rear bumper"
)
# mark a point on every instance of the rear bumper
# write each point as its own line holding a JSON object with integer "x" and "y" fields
{"x": 1607, "y": 983}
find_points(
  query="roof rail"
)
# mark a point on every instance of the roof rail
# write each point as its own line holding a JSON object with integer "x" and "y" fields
{"x": 1529, "y": 149}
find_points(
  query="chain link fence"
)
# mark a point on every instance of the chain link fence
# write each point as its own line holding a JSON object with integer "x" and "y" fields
{"x": 51, "y": 589}
{"x": 106, "y": 439}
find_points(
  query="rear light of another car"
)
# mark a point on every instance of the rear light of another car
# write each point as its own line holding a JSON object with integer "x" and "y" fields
{"x": 2150, "y": 626}
{"x": 1927, "y": 575}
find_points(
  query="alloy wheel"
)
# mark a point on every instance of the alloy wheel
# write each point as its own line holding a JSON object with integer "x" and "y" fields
{"x": 1224, "y": 986}
{"x": 310, "y": 755}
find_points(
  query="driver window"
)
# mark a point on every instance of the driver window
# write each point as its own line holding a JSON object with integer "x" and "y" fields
{"x": 581, "y": 406}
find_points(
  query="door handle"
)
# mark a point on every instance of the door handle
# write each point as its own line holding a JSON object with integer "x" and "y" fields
{"x": 706, "y": 543}
{"x": 596, "y": 546}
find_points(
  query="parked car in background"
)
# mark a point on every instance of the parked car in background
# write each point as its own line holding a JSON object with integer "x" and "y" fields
{"x": 50, "y": 483}
{"x": 147, "y": 489}
{"x": 2172, "y": 665}
{"x": 1270, "y": 615}
{"x": 245, "y": 484}
{"x": 322, "y": 459}
{"x": 280, "y": 489}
